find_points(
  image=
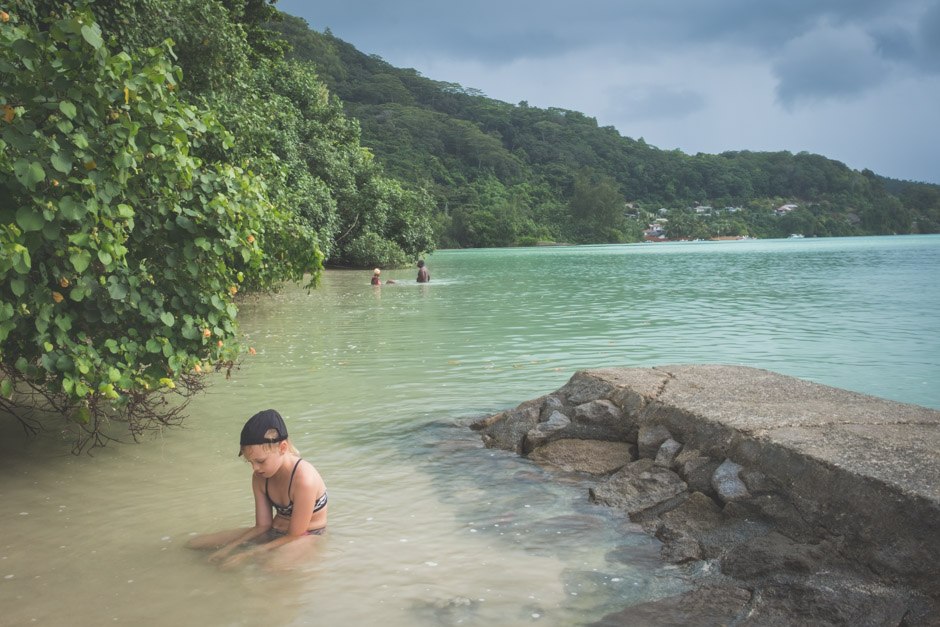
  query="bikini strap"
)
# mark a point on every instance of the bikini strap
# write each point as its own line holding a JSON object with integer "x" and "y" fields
{"x": 291, "y": 482}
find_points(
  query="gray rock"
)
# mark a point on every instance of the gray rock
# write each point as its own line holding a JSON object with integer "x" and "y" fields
{"x": 679, "y": 547}
{"x": 771, "y": 554}
{"x": 688, "y": 454}
{"x": 600, "y": 420}
{"x": 694, "y": 518}
{"x": 830, "y": 601}
{"x": 778, "y": 511}
{"x": 727, "y": 482}
{"x": 583, "y": 387}
{"x": 666, "y": 455}
{"x": 631, "y": 401}
{"x": 507, "y": 430}
{"x": 544, "y": 432}
{"x": 591, "y": 456}
{"x": 757, "y": 482}
{"x": 550, "y": 405}
{"x": 699, "y": 517}
{"x": 639, "y": 487}
{"x": 650, "y": 438}
{"x": 697, "y": 470}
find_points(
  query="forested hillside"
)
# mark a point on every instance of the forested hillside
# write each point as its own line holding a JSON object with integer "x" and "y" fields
{"x": 503, "y": 174}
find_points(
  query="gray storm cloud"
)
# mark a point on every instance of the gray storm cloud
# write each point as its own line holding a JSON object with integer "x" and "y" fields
{"x": 828, "y": 62}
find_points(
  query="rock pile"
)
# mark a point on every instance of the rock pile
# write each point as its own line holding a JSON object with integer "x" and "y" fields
{"x": 792, "y": 502}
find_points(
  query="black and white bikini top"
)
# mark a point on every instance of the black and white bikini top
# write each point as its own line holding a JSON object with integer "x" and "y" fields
{"x": 287, "y": 510}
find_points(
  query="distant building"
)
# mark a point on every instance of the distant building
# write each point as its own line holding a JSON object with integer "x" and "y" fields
{"x": 655, "y": 231}
{"x": 702, "y": 209}
{"x": 785, "y": 209}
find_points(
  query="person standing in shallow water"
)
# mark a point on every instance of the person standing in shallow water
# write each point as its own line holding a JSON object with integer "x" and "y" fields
{"x": 290, "y": 500}
{"x": 423, "y": 275}
{"x": 377, "y": 279}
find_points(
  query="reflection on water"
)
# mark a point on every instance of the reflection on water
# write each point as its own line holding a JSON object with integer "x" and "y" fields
{"x": 377, "y": 386}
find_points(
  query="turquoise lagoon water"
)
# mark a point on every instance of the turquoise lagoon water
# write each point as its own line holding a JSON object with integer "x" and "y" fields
{"x": 378, "y": 385}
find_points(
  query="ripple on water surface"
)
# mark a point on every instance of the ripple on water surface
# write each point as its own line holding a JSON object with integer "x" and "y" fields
{"x": 377, "y": 386}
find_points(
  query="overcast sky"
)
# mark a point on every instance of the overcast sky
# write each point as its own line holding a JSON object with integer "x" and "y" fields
{"x": 854, "y": 80}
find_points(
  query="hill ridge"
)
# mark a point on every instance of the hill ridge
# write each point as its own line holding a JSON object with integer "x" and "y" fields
{"x": 506, "y": 174}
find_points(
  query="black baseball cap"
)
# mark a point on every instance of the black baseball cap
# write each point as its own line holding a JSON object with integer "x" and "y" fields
{"x": 258, "y": 425}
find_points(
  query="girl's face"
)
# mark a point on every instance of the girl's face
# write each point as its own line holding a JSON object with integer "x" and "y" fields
{"x": 264, "y": 460}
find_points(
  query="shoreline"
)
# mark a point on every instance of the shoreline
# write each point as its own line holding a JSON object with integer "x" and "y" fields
{"x": 782, "y": 499}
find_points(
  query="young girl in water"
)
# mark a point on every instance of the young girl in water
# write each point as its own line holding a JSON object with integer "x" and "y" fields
{"x": 290, "y": 498}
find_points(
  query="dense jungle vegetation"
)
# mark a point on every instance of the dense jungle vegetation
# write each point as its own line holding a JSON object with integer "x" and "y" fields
{"x": 158, "y": 158}
{"x": 503, "y": 174}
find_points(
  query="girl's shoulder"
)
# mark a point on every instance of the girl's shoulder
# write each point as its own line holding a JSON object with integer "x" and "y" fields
{"x": 307, "y": 473}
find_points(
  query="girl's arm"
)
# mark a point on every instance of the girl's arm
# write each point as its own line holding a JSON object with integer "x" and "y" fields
{"x": 306, "y": 486}
{"x": 305, "y": 495}
{"x": 263, "y": 521}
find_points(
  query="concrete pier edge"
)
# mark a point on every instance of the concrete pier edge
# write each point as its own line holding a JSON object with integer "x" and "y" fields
{"x": 756, "y": 459}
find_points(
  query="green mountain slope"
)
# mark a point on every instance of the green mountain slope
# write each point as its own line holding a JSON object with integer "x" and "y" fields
{"x": 505, "y": 174}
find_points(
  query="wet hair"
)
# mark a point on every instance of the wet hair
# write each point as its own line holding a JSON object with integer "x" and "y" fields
{"x": 420, "y": 263}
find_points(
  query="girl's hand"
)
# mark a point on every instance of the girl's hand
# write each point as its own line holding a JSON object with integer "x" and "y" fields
{"x": 219, "y": 555}
{"x": 235, "y": 560}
